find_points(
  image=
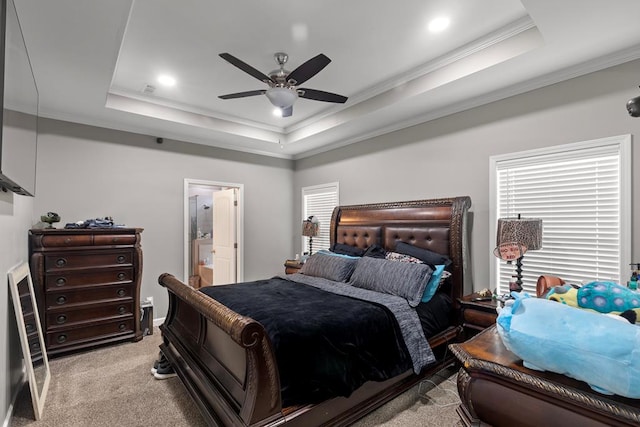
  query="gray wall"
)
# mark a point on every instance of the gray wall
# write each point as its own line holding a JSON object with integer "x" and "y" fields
{"x": 450, "y": 156}
{"x": 87, "y": 172}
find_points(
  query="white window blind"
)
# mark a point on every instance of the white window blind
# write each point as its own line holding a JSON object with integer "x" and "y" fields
{"x": 319, "y": 201}
{"x": 582, "y": 194}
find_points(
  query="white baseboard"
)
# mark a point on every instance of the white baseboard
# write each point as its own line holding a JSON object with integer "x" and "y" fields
{"x": 158, "y": 321}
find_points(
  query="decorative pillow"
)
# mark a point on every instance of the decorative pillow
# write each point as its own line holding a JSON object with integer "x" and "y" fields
{"x": 403, "y": 279}
{"x": 336, "y": 268}
{"x": 341, "y": 248}
{"x": 424, "y": 255}
{"x": 375, "y": 251}
{"x": 395, "y": 256}
{"x": 434, "y": 283}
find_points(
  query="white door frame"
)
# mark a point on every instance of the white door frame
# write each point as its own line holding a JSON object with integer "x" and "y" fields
{"x": 239, "y": 224}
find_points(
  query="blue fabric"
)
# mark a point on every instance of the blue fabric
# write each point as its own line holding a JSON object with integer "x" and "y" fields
{"x": 434, "y": 283}
{"x": 327, "y": 252}
{"x": 599, "y": 349}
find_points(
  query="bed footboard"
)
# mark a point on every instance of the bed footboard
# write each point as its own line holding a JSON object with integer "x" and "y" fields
{"x": 225, "y": 360}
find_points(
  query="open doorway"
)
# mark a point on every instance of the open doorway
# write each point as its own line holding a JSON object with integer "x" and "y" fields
{"x": 213, "y": 222}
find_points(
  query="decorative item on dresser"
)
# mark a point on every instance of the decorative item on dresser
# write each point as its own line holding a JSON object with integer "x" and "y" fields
{"x": 87, "y": 285}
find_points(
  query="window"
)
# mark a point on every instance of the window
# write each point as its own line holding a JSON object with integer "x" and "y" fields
{"x": 319, "y": 201}
{"x": 582, "y": 193}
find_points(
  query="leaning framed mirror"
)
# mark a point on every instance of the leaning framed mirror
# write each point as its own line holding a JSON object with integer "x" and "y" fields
{"x": 31, "y": 338}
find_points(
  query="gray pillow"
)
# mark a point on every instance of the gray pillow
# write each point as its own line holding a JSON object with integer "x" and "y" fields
{"x": 336, "y": 268}
{"x": 403, "y": 279}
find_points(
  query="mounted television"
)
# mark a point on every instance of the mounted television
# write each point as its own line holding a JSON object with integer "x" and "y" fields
{"x": 19, "y": 119}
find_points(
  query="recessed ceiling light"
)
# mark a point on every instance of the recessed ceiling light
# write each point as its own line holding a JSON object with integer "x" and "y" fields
{"x": 166, "y": 80}
{"x": 277, "y": 112}
{"x": 438, "y": 24}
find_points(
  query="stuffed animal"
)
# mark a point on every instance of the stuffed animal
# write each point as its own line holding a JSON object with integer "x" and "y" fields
{"x": 581, "y": 344}
{"x": 603, "y": 297}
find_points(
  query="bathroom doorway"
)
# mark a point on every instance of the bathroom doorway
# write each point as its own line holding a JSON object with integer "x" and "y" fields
{"x": 211, "y": 225}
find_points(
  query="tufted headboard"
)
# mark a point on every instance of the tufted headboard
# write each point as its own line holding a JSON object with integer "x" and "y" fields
{"x": 439, "y": 225}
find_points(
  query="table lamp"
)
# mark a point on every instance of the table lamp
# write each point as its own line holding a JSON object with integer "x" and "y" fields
{"x": 516, "y": 236}
{"x": 310, "y": 228}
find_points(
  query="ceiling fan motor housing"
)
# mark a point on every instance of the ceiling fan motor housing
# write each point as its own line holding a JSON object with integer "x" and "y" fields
{"x": 283, "y": 91}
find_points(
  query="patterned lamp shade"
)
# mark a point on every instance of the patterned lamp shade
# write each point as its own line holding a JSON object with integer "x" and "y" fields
{"x": 523, "y": 231}
{"x": 310, "y": 227}
{"x": 516, "y": 236}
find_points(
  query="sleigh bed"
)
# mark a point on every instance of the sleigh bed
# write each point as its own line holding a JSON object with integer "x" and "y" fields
{"x": 233, "y": 366}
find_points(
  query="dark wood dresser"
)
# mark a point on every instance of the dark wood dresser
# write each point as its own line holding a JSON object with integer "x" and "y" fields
{"x": 87, "y": 286}
{"x": 497, "y": 390}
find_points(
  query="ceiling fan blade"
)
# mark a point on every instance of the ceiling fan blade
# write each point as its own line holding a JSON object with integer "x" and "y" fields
{"x": 320, "y": 95}
{"x": 307, "y": 70}
{"x": 287, "y": 112}
{"x": 243, "y": 94}
{"x": 245, "y": 67}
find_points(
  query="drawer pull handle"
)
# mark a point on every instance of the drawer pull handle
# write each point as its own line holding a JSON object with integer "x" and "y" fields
{"x": 121, "y": 258}
{"x": 122, "y": 326}
{"x": 61, "y": 281}
{"x": 61, "y": 262}
{"x": 121, "y": 276}
{"x": 61, "y": 319}
{"x": 121, "y": 292}
{"x": 67, "y": 241}
{"x": 122, "y": 309}
{"x": 61, "y": 338}
{"x": 61, "y": 299}
{"x": 29, "y": 327}
{"x": 114, "y": 240}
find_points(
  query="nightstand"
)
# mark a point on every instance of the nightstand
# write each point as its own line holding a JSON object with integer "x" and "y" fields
{"x": 477, "y": 315}
{"x": 291, "y": 267}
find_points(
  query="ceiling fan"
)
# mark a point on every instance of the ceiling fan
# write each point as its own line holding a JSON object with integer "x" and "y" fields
{"x": 283, "y": 88}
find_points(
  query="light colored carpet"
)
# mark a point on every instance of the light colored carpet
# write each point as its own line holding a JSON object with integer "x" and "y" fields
{"x": 113, "y": 386}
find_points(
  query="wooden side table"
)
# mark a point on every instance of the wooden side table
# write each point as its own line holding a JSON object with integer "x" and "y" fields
{"x": 290, "y": 268}
{"x": 496, "y": 389}
{"x": 477, "y": 314}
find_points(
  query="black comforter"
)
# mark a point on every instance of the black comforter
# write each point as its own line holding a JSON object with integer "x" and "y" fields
{"x": 326, "y": 345}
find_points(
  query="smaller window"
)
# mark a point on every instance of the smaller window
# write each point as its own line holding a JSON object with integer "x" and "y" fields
{"x": 319, "y": 201}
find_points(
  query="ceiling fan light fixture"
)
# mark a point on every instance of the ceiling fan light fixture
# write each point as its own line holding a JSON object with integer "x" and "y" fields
{"x": 281, "y": 97}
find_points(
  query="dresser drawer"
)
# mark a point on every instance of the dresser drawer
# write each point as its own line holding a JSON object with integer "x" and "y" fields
{"x": 30, "y": 323}
{"x": 479, "y": 318}
{"x": 66, "y": 241}
{"x": 34, "y": 345}
{"x": 114, "y": 239}
{"x": 69, "y": 316}
{"x": 68, "y": 279}
{"x": 92, "y": 260}
{"x": 86, "y": 296}
{"x": 84, "y": 334}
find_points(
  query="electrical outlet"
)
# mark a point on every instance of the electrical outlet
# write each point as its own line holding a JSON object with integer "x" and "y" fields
{"x": 149, "y": 300}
